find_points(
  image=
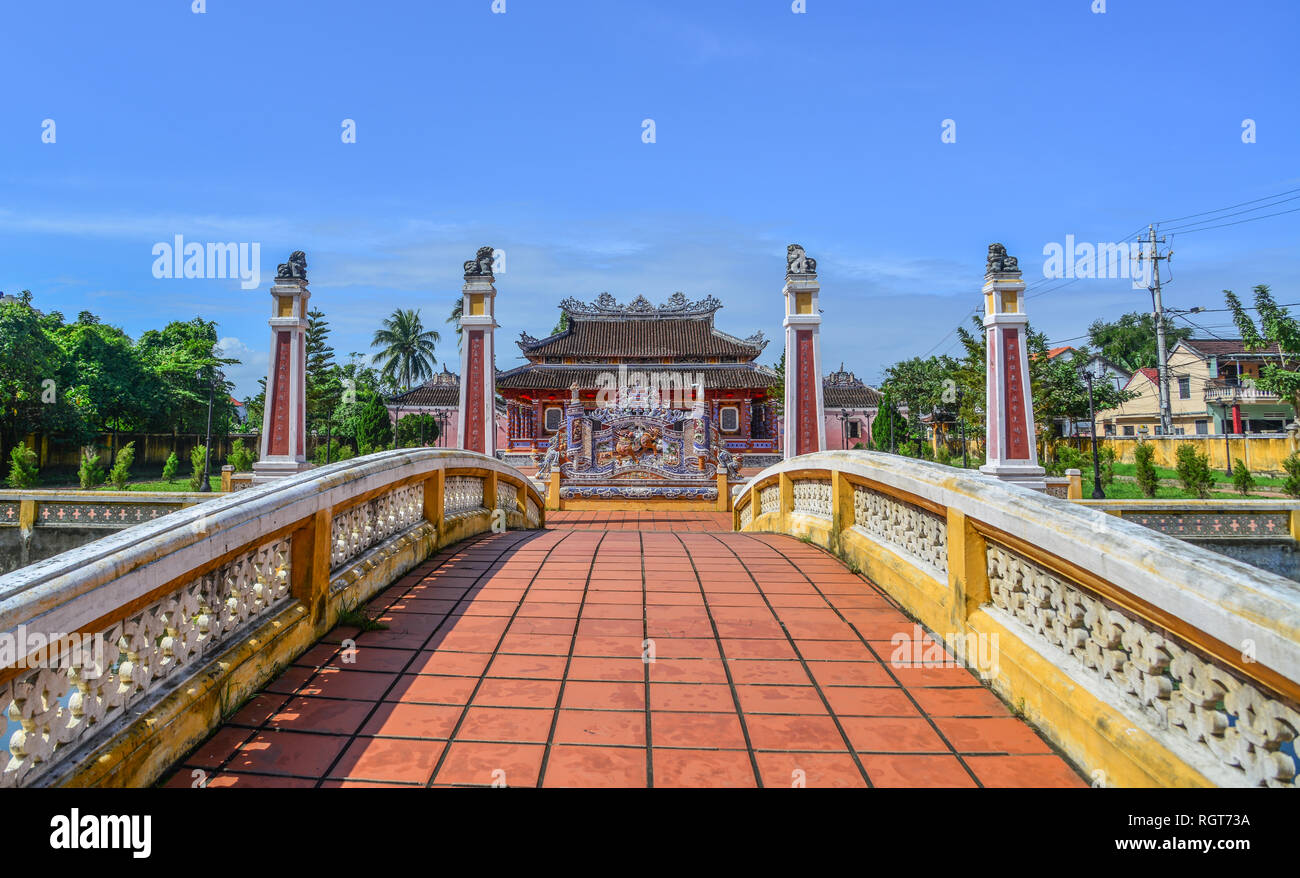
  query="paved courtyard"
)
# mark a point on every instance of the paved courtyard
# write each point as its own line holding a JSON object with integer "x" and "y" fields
{"x": 517, "y": 659}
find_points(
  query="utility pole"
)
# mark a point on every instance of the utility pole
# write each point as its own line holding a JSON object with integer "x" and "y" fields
{"x": 1157, "y": 306}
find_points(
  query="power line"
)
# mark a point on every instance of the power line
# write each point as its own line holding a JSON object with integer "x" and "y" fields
{"x": 1229, "y": 207}
{"x": 1238, "y": 222}
{"x": 1226, "y": 215}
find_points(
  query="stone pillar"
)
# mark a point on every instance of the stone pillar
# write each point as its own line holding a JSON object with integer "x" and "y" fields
{"x": 805, "y": 427}
{"x": 282, "y": 451}
{"x": 1012, "y": 452}
{"x": 476, "y": 418}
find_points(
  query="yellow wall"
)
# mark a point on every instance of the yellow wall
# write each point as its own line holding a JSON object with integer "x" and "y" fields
{"x": 1259, "y": 455}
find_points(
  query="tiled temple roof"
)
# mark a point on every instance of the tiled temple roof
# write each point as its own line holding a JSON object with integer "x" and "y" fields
{"x": 541, "y": 377}
{"x": 677, "y": 328}
{"x": 844, "y": 390}
{"x": 442, "y": 389}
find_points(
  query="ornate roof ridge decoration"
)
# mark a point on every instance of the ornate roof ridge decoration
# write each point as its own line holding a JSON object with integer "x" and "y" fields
{"x": 844, "y": 378}
{"x": 607, "y": 307}
{"x": 999, "y": 262}
{"x": 756, "y": 341}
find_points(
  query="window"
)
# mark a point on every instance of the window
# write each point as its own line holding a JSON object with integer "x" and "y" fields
{"x": 855, "y": 430}
{"x": 554, "y": 416}
{"x": 1202, "y": 428}
{"x": 1128, "y": 431}
{"x": 1184, "y": 388}
{"x": 729, "y": 419}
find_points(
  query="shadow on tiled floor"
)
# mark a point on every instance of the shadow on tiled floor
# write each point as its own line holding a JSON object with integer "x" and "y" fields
{"x": 517, "y": 659}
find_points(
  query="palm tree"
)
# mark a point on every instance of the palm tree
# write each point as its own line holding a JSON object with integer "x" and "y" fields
{"x": 457, "y": 311}
{"x": 407, "y": 348}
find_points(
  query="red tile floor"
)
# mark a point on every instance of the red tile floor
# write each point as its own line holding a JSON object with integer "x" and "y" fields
{"x": 625, "y": 649}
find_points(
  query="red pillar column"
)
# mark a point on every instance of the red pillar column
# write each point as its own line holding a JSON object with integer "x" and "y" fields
{"x": 805, "y": 422}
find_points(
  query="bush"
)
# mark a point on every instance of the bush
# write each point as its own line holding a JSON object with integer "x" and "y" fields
{"x": 337, "y": 451}
{"x": 1147, "y": 480}
{"x": 1292, "y": 483}
{"x": 23, "y": 471}
{"x": 122, "y": 466}
{"x": 411, "y": 428}
{"x": 196, "y": 460}
{"x": 241, "y": 457}
{"x": 1064, "y": 457}
{"x": 1242, "y": 478}
{"x": 943, "y": 455}
{"x": 1106, "y": 455}
{"x": 90, "y": 474}
{"x": 1194, "y": 471}
{"x": 169, "y": 468}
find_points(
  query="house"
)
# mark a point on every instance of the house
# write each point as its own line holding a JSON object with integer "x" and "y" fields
{"x": 850, "y": 408}
{"x": 1211, "y": 390}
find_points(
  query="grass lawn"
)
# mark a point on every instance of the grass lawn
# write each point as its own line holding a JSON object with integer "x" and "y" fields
{"x": 1130, "y": 469}
{"x": 1118, "y": 490}
{"x": 69, "y": 482}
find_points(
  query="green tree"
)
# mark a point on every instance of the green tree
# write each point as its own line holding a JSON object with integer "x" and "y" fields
{"x": 373, "y": 428}
{"x": 454, "y": 318}
{"x": 169, "y": 468}
{"x": 776, "y": 393}
{"x": 23, "y": 469}
{"x": 1241, "y": 478}
{"x": 1292, "y": 482}
{"x": 887, "y": 413}
{"x": 34, "y": 377}
{"x": 241, "y": 457}
{"x": 121, "y": 471}
{"x": 324, "y": 387}
{"x": 1276, "y": 327}
{"x": 90, "y": 474}
{"x": 406, "y": 349}
{"x": 1194, "y": 471}
{"x": 1130, "y": 341}
{"x": 180, "y": 356}
{"x": 198, "y": 455}
{"x": 411, "y": 428}
{"x": 563, "y": 324}
{"x": 1145, "y": 470}
{"x": 109, "y": 383}
{"x": 926, "y": 386}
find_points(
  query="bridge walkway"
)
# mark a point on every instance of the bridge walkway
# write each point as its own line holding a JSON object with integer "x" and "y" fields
{"x": 517, "y": 659}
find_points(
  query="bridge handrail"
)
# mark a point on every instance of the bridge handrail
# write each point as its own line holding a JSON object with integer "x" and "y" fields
{"x": 168, "y": 592}
{"x": 1188, "y": 638}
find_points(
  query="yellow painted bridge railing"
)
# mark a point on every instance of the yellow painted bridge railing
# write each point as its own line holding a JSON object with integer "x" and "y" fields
{"x": 117, "y": 657}
{"x": 1149, "y": 661}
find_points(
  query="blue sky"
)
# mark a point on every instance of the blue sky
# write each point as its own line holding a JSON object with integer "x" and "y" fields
{"x": 523, "y": 130}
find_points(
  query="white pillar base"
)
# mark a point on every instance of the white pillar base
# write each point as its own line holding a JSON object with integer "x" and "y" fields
{"x": 270, "y": 470}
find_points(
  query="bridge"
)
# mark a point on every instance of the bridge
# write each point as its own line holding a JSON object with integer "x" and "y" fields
{"x": 417, "y": 617}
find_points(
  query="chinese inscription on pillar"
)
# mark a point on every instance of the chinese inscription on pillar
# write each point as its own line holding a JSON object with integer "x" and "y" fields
{"x": 1017, "y": 440}
{"x": 280, "y": 402}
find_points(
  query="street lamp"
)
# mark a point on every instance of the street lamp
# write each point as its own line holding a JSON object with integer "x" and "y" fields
{"x": 1098, "y": 493}
{"x": 206, "y": 485}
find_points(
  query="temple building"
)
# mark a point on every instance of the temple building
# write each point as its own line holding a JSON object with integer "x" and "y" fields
{"x": 669, "y": 356}
{"x": 851, "y": 406}
{"x": 438, "y": 397}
